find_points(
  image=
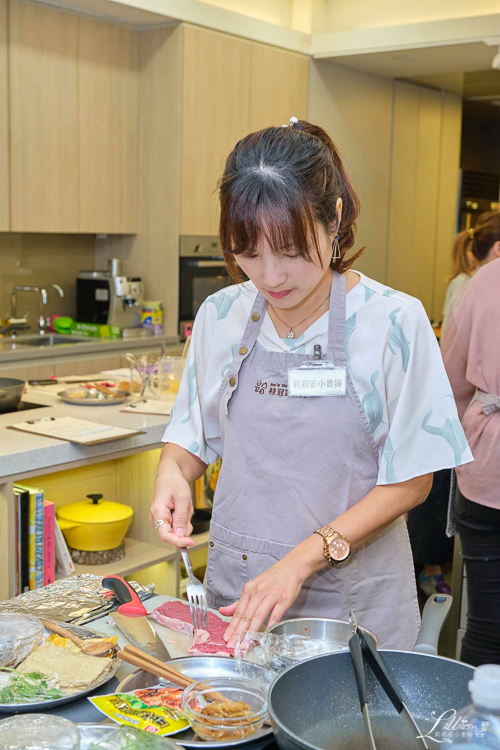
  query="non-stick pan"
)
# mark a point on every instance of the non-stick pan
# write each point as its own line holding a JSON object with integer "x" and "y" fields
{"x": 315, "y": 704}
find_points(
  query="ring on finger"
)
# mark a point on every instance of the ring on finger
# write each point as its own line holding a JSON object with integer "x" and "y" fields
{"x": 158, "y": 523}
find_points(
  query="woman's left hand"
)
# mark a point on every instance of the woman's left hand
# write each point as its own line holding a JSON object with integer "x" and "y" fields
{"x": 268, "y": 595}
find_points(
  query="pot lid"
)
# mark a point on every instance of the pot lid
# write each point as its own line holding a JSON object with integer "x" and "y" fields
{"x": 95, "y": 510}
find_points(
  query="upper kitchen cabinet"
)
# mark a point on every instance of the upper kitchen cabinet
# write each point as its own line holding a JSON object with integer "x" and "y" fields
{"x": 108, "y": 160}
{"x": 4, "y": 123}
{"x": 278, "y": 86}
{"x": 215, "y": 115}
{"x": 43, "y": 118}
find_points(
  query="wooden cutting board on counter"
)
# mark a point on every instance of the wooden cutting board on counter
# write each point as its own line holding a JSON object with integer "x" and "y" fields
{"x": 176, "y": 644}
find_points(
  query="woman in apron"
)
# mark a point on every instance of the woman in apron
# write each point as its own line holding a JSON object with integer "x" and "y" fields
{"x": 325, "y": 395}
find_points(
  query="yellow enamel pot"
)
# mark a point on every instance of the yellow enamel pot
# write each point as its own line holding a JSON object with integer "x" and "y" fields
{"x": 94, "y": 525}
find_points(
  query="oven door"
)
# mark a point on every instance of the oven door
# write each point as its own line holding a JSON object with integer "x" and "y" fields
{"x": 198, "y": 279}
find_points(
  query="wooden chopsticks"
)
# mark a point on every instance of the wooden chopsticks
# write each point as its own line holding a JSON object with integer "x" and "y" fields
{"x": 148, "y": 663}
{"x": 142, "y": 660}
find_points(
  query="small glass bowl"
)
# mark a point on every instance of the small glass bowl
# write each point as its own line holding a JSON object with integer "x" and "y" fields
{"x": 217, "y": 728}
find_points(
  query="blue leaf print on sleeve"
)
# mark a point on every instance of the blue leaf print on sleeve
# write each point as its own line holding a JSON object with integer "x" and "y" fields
{"x": 368, "y": 293}
{"x": 193, "y": 447}
{"x": 372, "y": 404}
{"x": 398, "y": 340}
{"x": 171, "y": 416}
{"x": 350, "y": 325}
{"x": 223, "y": 301}
{"x": 193, "y": 390}
{"x": 451, "y": 430}
{"x": 389, "y": 292}
{"x": 234, "y": 349}
{"x": 388, "y": 454}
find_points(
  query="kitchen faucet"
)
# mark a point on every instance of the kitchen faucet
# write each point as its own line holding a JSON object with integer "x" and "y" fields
{"x": 43, "y": 301}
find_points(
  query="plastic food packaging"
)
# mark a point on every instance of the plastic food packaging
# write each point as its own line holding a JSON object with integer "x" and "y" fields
{"x": 119, "y": 738}
{"x": 38, "y": 732}
{"x": 19, "y": 635}
{"x": 156, "y": 710}
{"x": 275, "y": 653}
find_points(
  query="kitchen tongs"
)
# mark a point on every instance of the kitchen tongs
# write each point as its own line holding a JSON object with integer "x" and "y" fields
{"x": 362, "y": 648}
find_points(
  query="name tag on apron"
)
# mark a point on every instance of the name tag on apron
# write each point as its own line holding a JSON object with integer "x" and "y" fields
{"x": 317, "y": 379}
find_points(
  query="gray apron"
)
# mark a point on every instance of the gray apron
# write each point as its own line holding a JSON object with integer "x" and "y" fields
{"x": 291, "y": 465}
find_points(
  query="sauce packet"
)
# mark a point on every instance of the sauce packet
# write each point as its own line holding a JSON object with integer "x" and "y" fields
{"x": 156, "y": 709}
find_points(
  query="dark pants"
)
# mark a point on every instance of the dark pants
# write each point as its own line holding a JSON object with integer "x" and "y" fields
{"x": 479, "y": 529}
{"x": 427, "y": 524}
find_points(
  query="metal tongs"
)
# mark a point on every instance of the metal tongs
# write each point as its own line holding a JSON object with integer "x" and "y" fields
{"x": 362, "y": 648}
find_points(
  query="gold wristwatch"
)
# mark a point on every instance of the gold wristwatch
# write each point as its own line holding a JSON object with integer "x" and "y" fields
{"x": 336, "y": 548}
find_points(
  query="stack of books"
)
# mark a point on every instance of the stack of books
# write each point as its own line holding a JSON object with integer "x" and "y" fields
{"x": 39, "y": 541}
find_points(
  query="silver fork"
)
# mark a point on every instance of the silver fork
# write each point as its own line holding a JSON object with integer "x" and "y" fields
{"x": 197, "y": 596}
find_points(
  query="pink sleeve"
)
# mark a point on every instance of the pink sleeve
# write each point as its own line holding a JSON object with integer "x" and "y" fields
{"x": 455, "y": 350}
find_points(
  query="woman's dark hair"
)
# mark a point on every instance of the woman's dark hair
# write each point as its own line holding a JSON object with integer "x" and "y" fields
{"x": 277, "y": 183}
{"x": 485, "y": 234}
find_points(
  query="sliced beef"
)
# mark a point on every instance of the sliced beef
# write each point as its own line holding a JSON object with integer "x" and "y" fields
{"x": 177, "y": 616}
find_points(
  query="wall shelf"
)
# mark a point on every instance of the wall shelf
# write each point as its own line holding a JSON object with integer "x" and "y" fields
{"x": 138, "y": 555}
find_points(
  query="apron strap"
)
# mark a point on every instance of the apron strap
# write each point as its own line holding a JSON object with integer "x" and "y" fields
{"x": 490, "y": 402}
{"x": 336, "y": 320}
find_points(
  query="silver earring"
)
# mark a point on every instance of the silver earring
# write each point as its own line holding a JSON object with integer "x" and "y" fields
{"x": 336, "y": 248}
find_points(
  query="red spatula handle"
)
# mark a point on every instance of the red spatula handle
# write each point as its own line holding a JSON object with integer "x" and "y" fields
{"x": 130, "y": 604}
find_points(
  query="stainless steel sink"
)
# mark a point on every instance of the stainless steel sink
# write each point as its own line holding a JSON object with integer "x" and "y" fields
{"x": 50, "y": 339}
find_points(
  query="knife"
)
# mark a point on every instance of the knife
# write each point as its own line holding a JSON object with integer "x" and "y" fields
{"x": 130, "y": 617}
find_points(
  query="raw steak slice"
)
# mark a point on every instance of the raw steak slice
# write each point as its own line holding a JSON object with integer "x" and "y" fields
{"x": 177, "y": 616}
{"x": 173, "y": 615}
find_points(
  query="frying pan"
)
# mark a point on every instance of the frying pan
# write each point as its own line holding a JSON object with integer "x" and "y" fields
{"x": 315, "y": 705}
{"x": 11, "y": 391}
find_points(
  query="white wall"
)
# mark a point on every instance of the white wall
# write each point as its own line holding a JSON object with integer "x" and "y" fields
{"x": 276, "y": 11}
{"x": 363, "y": 14}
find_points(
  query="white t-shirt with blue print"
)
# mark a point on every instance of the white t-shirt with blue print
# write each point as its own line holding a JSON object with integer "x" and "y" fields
{"x": 395, "y": 365}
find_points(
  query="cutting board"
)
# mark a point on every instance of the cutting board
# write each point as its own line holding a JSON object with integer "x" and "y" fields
{"x": 176, "y": 644}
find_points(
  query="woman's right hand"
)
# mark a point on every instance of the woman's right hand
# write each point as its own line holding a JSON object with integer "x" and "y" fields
{"x": 172, "y": 501}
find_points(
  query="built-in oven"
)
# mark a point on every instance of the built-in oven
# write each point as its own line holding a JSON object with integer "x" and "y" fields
{"x": 202, "y": 272}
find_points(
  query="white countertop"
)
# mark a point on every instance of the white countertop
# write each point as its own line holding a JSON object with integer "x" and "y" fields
{"x": 23, "y": 455}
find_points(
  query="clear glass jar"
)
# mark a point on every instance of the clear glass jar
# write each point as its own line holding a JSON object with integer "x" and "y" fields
{"x": 38, "y": 732}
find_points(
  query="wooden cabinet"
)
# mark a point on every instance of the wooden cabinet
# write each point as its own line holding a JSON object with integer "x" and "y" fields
{"x": 4, "y": 123}
{"x": 216, "y": 114}
{"x": 43, "y": 118}
{"x": 108, "y": 164}
{"x": 230, "y": 88}
{"x": 278, "y": 86}
{"x": 74, "y": 122}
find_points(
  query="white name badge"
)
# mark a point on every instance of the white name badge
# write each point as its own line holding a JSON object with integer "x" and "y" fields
{"x": 317, "y": 379}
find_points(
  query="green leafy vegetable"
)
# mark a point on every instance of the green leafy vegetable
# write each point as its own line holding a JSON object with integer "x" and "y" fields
{"x": 28, "y": 688}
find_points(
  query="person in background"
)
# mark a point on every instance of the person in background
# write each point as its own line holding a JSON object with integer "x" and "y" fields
{"x": 471, "y": 353}
{"x": 463, "y": 266}
{"x": 427, "y": 522}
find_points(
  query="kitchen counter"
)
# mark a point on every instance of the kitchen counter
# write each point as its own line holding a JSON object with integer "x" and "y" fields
{"x": 14, "y": 352}
{"x": 23, "y": 455}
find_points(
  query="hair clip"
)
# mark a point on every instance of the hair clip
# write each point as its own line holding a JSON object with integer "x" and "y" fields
{"x": 293, "y": 121}
{"x": 471, "y": 233}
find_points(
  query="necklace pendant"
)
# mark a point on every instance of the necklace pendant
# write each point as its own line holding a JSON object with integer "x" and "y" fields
{"x": 290, "y": 334}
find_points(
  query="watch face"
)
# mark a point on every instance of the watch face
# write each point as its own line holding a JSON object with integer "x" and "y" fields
{"x": 339, "y": 549}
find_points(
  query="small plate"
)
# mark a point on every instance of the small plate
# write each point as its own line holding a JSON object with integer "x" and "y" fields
{"x": 41, "y": 706}
{"x": 103, "y": 399}
{"x": 198, "y": 667}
